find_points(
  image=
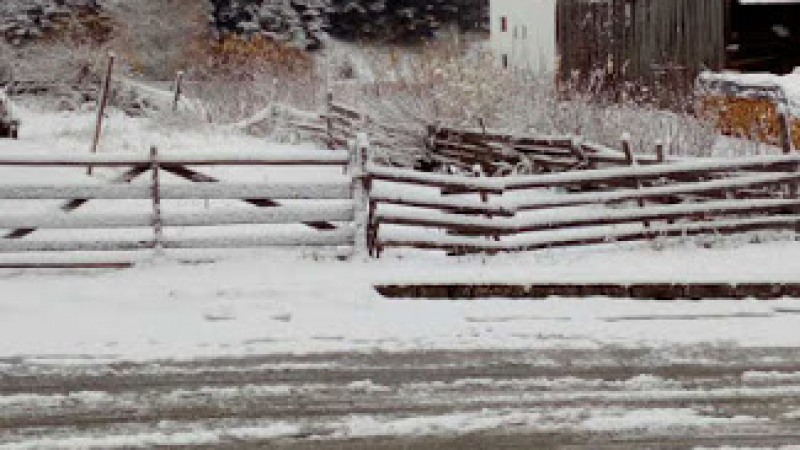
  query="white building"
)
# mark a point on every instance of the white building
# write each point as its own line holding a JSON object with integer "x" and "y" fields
{"x": 524, "y": 33}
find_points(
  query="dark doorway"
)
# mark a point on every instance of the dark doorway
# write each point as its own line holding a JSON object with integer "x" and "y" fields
{"x": 764, "y": 37}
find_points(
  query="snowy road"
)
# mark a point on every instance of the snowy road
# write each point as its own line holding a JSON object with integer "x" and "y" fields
{"x": 690, "y": 397}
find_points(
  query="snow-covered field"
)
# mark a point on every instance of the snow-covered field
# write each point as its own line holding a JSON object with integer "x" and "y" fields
{"x": 264, "y": 302}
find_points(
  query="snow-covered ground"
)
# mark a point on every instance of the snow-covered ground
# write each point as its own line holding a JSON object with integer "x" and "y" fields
{"x": 263, "y": 302}
{"x": 300, "y": 301}
{"x": 232, "y": 348}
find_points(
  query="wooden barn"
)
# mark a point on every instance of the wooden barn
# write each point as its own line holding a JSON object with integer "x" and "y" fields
{"x": 662, "y": 45}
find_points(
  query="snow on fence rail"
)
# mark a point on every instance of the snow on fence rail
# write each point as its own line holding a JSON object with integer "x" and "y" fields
{"x": 583, "y": 207}
{"x": 329, "y": 203}
{"x": 382, "y": 207}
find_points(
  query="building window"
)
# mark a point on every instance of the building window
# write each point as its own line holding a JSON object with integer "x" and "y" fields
{"x": 504, "y": 24}
{"x": 505, "y": 61}
{"x": 516, "y": 32}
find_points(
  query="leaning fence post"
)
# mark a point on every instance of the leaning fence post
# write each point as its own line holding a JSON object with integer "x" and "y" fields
{"x": 362, "y": 185}
{"x": 158, "y": 226}
{"x": 631, "y": 159}
{"x": 102, "y": 101}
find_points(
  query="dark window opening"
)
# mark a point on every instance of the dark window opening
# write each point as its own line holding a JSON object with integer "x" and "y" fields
{"x": 764, "y": 37}
{"x": 505, "y": 61}
{"x": 504, "y": 24}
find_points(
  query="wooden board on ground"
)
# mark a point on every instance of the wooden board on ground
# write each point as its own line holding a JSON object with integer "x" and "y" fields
{"x": 639, "y": 291}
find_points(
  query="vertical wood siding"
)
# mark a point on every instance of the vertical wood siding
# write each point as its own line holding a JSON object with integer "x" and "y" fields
{"x": 621, "y": 45}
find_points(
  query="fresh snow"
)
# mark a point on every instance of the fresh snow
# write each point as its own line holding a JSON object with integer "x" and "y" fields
{"x": 260, "y": 302}
{"x": 188, "y": 303}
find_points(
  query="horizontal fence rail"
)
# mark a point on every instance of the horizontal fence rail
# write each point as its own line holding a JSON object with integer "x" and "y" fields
{"x": 336, "y": 238}
{"x": 583, "y": 207}
{"x": 206, "y": 191}
{"x": 282, "y": 215}
{"x": 316, "y": 158}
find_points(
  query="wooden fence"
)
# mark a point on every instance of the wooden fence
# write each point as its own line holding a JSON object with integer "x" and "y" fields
{"x": 437, "y": 147}
{"x": 636, "y": 203}
{"x": 616, "y": 197}
{"x": 499, "y": 153}
{"x": 328, "y": 214}
{"x": 534, "y": 192}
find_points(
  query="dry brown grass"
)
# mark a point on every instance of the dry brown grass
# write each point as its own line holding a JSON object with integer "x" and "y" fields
{"x": 236, "y": 77}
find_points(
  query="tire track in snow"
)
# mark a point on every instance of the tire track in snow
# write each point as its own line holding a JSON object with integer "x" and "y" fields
{"x": 607, "y": 398}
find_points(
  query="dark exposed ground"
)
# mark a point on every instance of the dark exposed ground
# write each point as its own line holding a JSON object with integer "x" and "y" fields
{"x": 321, "y": 394}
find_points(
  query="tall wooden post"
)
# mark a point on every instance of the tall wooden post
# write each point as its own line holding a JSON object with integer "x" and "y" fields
{"x": 158, "y": 225}
{"x": 178, "y": 91}
{"x": 102, "y": 102}
{"x": 785, "y": 122}
{"x": 329, "y": 119}
{"x": 661, "y": 152}
{"x": 362, "y": 186}
{"x": 628, "y": 149}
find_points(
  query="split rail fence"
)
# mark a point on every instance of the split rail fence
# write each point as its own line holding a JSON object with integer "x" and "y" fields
{"x": 586, "y": 207}
{"x": 528, "y": 192}
{"x": 578, "y": 193}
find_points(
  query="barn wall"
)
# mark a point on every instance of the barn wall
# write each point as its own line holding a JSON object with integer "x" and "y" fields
{"x": 529, "y": 43}
{"x": 614, "y": 45}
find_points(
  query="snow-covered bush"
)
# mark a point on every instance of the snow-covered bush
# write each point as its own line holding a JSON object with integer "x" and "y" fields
{"x": 157, "y": 38}
{"x": 64, "y": 61}
{"x": 237, "y": 77}
{"x": 454, "y": 82}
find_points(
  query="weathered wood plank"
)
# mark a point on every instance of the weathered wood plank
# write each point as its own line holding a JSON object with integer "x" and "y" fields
{"x": 639, "y": 291}
{"x": 283, "y": 215}
{"x": 216, "y": 191}
{"x": 599, "y": 237}
{"x": 336, "y": 158}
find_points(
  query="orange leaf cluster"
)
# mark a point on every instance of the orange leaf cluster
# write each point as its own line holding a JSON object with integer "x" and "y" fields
{"x": 748, "y": 118}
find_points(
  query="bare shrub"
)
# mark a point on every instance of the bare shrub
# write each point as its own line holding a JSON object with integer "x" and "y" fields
{"x": 236, "y": 77}
{"x": 443, "y": 81}
{"x": 455, "y": 82}
{"x": 159, "y": 37}
{"x": 63, "y": 61}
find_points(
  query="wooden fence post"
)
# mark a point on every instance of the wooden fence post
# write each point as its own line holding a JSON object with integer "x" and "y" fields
{"x": 178, "y": 91}
{"x": 482, "y": 124}
{"x": 365, "y": 228}
{"x": 785, "y": 122}
{"x": 329, "y": 119}
{"x": 576, "y": 148}
{"x": 102, "y": 102}
{"x": 661, "y": 152}
{"x": 158, "y": 227}
{"x": 631, "y": 159}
